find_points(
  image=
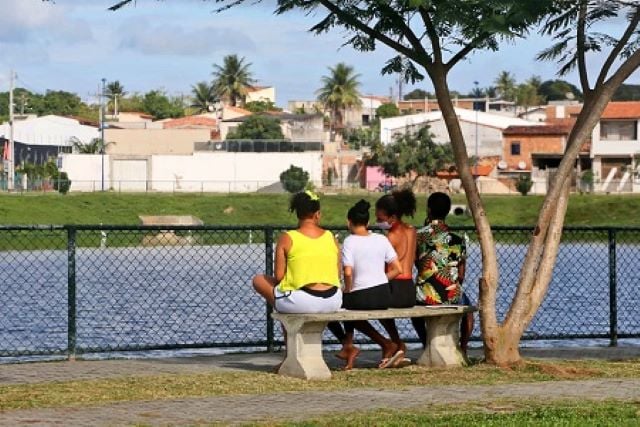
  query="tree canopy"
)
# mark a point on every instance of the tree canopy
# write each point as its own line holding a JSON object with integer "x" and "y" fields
{"x": 233, "y": 79}
{"x": 415, "y": 153}
{"x": 339, "y": 91}
{"x": 257, "y": 126}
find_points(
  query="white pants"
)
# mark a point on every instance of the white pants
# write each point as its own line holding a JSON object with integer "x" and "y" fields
{"x": 303, "y": 302}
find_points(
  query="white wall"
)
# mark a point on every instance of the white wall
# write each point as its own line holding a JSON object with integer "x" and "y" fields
{"x": 85, "y": 171}
{"x": 223, "y": 172}
{"x": 209, "y": 172}
{"x": 610, "y": 147}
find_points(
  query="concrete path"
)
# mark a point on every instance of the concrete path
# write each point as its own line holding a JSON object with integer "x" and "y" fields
{"x": 279, "y": 406}
{"x": 303, "y": 405}
{"x": 84, "y": 370}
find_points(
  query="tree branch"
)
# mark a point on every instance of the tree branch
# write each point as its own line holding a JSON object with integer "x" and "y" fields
{"x": 618, "y": 47}
{"x": 466, "y": 50}
{"x": 350, "y": 20}
{"x": 580, "y": 39}
{"x": 548, "y": 259}
{"x": 433, "y": 36}
{"x": 406, "y": 31}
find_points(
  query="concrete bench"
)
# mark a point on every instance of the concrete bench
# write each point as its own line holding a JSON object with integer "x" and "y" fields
{"x": 168, "y": 237}
{"x": 304, "y": 336}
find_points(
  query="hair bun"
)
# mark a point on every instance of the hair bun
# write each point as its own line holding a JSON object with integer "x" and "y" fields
{"x": 363, "y": 205}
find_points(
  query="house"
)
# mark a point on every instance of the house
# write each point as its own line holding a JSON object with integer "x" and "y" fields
{"x": 354, "y": 117}
{"x": 40, "y": 138}
{"x": 261, "y": 93}
{"x": 146, "y": 142}
{"x": 200, "y": 121}
{"x": 426, "y": 105}
{"x": 482, "y": 131}
{"x": 615, "y": 148}
{"x": 295, "y": 127}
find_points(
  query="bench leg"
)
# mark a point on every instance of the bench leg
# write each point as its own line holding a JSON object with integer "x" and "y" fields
{"x": 304, "y": 351}
{"x": 443, "y": 342}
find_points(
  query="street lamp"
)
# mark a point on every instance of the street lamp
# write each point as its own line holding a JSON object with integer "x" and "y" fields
{"x": 102, "y": 95}
{"x": 476, "y": 106}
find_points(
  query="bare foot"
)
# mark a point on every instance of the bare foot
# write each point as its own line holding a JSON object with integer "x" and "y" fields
{"x": 389, "y": 348}
{"x": 351, "y": 358}
{"x": 343, "y": 354}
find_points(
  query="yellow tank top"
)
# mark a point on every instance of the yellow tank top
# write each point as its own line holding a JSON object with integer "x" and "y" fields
{"x": 310, "y": 261}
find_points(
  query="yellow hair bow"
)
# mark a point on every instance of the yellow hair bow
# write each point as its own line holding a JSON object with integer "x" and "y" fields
{"x": 312, "y": 195}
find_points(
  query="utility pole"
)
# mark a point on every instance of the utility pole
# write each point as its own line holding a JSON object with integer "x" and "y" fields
{"x": 11, "y": 168}
{"x": 102, "y": 95}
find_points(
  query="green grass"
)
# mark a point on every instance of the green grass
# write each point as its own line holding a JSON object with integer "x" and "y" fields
{"x": 237, "y": 209}
{"x": 159, "y": 387}
{"x": 500, "y": 413}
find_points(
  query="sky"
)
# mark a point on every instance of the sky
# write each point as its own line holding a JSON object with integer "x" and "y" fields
{"x": 172, "y": 44}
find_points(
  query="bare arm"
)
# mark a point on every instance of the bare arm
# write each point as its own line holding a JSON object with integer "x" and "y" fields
{"x": 461, "y": 270}
{"x": 348, "y": 279}
{"x": 282, "y": 248}
{"x": 395, "y": 269}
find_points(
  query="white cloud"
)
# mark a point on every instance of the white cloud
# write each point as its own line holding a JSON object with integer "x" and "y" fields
{"x": 171, "y": 39}
{"x": 34, "y": 20}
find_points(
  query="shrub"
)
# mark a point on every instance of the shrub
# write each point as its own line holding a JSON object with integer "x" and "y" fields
{"x": 62, "y": 183}
{"x": 524, "y": 184}
{"x": 294, "y": 179}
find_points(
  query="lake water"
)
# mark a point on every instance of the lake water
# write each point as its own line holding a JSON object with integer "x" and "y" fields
{"x": 140, "y": 297}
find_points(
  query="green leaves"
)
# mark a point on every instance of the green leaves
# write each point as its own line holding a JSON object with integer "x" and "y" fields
{"x": 416, "y": 153}
{"x": 258, "y": 126}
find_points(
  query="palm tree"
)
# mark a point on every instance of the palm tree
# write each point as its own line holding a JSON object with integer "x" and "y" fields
{"x": 92, "y": 147}
{"x": 232, "y": 79}
{"x": 204, "y": 96}
{"x": 114, "y": 91}
{"x": 339, "y": 91}
{"x": 506, "y": 86}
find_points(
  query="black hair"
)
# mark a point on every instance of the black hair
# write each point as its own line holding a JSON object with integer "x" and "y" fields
{"x": 303, "y": 205}
{"x": 359, "y": 213}
{"x": 439, "y": 205}
{"x": 399, "y": 203}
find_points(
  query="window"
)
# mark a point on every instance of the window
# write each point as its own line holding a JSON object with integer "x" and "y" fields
{"x": 365, "y": 119}
{"x": 515, "y": 148}
{"x": 619, "y": 130}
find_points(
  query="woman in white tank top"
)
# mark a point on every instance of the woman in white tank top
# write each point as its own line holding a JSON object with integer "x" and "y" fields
{"x": 369, "y": 262}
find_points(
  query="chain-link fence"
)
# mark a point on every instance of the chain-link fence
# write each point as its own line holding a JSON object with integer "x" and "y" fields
{"x": 85, "y": 289}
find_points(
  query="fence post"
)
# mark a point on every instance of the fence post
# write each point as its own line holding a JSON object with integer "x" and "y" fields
{"x": 268, "y": 259}
{"x": 613, "y": 290}
{"x": 71, "y": 293}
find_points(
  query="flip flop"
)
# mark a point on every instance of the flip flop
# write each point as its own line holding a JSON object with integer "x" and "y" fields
{"x": 389, "y": 361}
{"x": 401, "y": 363}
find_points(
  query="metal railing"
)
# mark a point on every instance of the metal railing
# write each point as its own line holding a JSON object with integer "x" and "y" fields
{"x": 69, "y": 290}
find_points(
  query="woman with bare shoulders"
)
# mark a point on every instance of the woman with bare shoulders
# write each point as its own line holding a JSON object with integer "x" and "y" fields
{"x": 390, "y": 210}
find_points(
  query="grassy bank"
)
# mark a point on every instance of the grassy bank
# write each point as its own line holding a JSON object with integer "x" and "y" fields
{"x": 499, "y": 413}
{"x": 160, "y": 387}
{"x": 235, "y": 209}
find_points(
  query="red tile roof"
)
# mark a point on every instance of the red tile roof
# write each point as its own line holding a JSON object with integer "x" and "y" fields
{"x": 191, "y": 121}
{"x": 555, "y": 129}
{"x": 237, "y": 110}
{"x": 622, "y": 110}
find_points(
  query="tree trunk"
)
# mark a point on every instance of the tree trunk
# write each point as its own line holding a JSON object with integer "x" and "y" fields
{"x": 489, "y": 279}
{"x": 505, "y": 348}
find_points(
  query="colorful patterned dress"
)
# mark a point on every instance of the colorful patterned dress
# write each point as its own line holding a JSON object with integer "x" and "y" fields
{"x": 438, "y": 256}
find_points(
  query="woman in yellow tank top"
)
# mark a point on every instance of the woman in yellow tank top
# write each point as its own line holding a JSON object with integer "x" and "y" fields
{"x": 306, "y": 265}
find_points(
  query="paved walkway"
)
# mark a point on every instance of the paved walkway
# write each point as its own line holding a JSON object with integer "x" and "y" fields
{"x": 84, "y": 370}
{"x": 238, "y": 409}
